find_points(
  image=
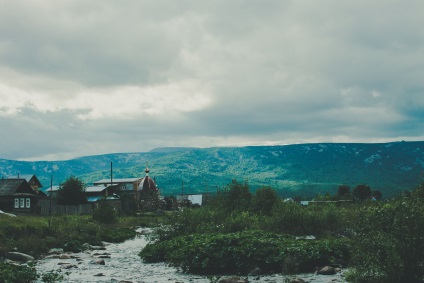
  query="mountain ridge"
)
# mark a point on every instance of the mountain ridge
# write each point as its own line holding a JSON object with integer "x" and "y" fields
{"x": 297, "y": 169}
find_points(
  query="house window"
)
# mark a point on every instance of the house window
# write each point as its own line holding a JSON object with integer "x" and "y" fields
{"x": 22, "y": 203}
{"x": 28, "y": 203}
{"x": 16, "y": 203}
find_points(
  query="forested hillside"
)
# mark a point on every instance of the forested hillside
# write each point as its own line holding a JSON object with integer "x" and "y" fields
{"x": 293, "y": 170}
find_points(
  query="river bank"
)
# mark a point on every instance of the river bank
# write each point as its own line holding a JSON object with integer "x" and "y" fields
{"x": 121, "y": 263}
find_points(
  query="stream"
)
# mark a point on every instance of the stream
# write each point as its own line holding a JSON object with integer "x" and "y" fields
{"x": 122, "y": 264}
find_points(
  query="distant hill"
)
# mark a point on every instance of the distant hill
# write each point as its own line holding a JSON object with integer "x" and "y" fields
{"x": 301, "y": 169}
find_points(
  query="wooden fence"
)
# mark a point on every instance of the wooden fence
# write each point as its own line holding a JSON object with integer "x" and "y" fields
{"x": 57, "y": 209}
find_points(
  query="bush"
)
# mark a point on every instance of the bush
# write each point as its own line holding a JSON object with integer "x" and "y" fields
{"x": 105, "y": 214}
{"x": 53, "y": 276}
{"x": 118, "y": 235}
{"x": 241, "y": 252}
{"x": 73, "y": 246}
{"x": 11, "y": 273}
{"x": 389, "y": 246}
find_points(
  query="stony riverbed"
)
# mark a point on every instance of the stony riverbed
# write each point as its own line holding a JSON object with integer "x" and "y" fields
{"x": 121, "y": 263}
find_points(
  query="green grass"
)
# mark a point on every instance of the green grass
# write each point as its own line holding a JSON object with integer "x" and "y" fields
{"x": 33, "y": 235}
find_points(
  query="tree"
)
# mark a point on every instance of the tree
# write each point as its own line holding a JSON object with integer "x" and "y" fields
{"x": 362, "y": 192}
{"x": 71, "y": 192}
{"x": 235, "y": 196}
{"x": 343, "y": 190}
{"x": 264, "y": 200}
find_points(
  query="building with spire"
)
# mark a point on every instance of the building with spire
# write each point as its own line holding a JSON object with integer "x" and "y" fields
{"x": 148, "y": 193}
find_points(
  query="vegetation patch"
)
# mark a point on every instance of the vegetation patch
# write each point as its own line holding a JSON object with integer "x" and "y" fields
{"x": 11, "y": 273}
{"x": 118, "y": 235}
{"x": 241, "y": 252}
{"x": 34, "y": 236}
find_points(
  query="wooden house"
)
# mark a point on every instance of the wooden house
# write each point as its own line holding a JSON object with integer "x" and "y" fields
{"x": 33, "y": 182}
{"x": 96, "y": 193}
{"x": 17, "y": 196}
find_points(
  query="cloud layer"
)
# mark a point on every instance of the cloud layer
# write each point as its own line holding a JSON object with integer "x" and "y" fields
{"x": 83, "y": 78}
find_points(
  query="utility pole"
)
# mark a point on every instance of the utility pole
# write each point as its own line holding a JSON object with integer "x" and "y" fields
{"x": 50, "y": 208}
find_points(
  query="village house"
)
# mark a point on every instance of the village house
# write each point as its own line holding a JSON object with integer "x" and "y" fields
{"x": 34, "y": 183}
{"x": 125, "y": 185}
{"x": 96, "y": 193}
{"x": 17, "y": 196}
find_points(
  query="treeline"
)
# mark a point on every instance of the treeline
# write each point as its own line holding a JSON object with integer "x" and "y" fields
{"x": 360, "y": 192}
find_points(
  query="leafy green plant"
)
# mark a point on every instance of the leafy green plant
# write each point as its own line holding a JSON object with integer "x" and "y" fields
{"x": 52, "y": 276}
{"x": 11, "y": 273}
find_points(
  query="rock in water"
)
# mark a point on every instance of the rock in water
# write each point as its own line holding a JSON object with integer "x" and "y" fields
{"x": 233, "y": 280}
{"x": 327, "y": 270}
{"x": 19, "y": 257}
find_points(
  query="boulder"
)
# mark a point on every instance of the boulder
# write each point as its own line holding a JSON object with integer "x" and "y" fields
{"x": 97, "y": 248}
{"x": 51, "y": 256}
{"x": 55, "y": 251}
{"x": 69, "y": 266}
{"x": 327, "y": 270}
{"x": 19, "y": 257}
{"x": 234, "y": 279}
{"x": 99, "y": 274}
{"x": 98, "y": 261}
{"x": 297, "y": 280}
{"x": 64, "y": 256}
{"x": 256, "y": 271}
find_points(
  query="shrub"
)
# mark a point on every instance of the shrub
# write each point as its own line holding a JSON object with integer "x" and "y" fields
{"x": 117, "y": 235}
{"x": 52, "y": 276}
{"x": 11, "y": 273}
{"x": 73, "y": 246}
{"x": 105, "y": 214}
{"x": 389, "y": 246}
{"x": 241, "y": 252}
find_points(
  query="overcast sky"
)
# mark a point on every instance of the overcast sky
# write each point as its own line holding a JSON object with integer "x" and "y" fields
{"x": 92, "y": 77}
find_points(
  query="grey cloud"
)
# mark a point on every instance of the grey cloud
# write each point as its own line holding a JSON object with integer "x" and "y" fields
{"x": 276, "y": 70}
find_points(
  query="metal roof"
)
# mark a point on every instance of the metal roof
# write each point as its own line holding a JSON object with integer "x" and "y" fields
{"x": 47, "y": 190}
{"x": 94, "y": 189}
{"x": 93, "y": 199}
{"x": 116, "y": 181}
{"x": 9, "y": 187}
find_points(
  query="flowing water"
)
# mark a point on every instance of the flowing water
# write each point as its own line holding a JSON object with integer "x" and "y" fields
{"x": 122, "y": 264}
